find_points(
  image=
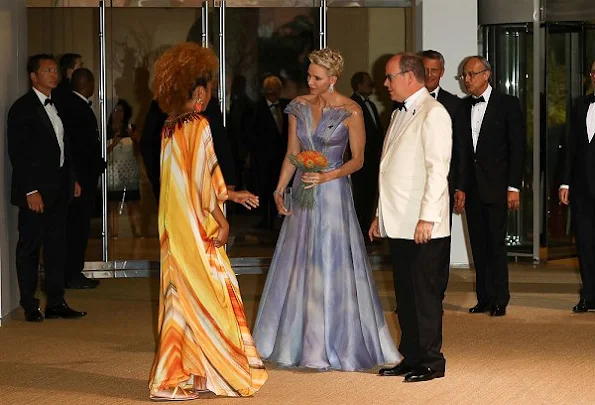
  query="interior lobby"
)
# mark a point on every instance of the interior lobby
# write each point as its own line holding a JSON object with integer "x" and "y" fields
{"x": 541, "y": 51}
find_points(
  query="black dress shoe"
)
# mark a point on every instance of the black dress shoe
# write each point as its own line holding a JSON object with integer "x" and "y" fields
{"x": 423, "y": 374}
{"x": 480, "y": 308}
{"x": 584, "y": 306}
{"x": 33, "y": 316}
{"x": 399, "y": 369}
{"x": 63, "y": 311}
{"x": 497, "y": 310}
{"x": 82, "y": 283}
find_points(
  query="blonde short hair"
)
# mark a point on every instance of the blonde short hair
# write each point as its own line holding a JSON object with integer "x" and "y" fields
{"x": 328, "y": 58}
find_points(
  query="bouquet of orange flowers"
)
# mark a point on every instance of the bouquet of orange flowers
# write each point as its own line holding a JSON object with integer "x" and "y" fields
{"x": 308, "y": 161}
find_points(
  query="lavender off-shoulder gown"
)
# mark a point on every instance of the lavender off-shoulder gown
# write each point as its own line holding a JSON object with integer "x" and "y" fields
{"x": 319, "y": 308}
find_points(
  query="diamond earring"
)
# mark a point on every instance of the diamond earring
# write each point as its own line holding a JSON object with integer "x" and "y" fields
{"x": 331, "y": 88}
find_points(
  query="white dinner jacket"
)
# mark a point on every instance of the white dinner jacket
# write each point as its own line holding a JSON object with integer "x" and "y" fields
{"x": 414, "y": 168}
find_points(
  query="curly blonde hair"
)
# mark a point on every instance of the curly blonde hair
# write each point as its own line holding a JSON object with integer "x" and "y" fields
{"x": 330, "y": 59}
{"x": 179, "y": 71}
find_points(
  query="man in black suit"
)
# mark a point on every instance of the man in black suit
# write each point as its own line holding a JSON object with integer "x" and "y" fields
{"x": 434, "y": 66}
{"x": 150, "y": 144}
{"x": 220, "y": 142}
{"x": 69, "y": 62}
{"x": 42, "y": 184}
{"x": 269, "y": 145}
{"x": 239, "y": 125}
{"x": 365, "y": 186}
{"x": 492, "y": 127}
{"x": 81, "y": 127}
{"x": 579, "y": 183}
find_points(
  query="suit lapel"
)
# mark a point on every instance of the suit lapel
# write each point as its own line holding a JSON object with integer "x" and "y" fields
{"x": 466, "y": 126}
{"x": 488, "y": 117}
{"x": 43, "y": 115}
{"x": 395, "y": 133}
{"x": 585, "y": 108}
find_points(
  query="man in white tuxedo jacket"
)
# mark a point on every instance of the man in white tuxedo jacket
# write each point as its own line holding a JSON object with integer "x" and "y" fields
{"x": 413, "y": 212}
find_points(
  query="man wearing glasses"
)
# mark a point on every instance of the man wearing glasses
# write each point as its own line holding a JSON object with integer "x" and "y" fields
{"x": 491, "y": 127}
{"x": 578, "y": 185}
{"x": 413, "y": 213}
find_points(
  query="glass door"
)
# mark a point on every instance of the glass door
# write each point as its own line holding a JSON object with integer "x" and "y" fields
{"x": 262, "y": 45}
{"x": 509, "y": 49}
{"x": 569, "y": 55}
{"x": 134, "y": 38}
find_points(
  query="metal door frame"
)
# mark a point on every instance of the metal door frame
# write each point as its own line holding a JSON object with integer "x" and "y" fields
{"x": 242, "y": 265}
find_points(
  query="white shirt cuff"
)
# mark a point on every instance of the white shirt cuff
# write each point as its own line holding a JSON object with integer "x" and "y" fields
{"x": 564, "y": 186}
{"x": 33, "y": 192}
{"x": 513, "y": 189}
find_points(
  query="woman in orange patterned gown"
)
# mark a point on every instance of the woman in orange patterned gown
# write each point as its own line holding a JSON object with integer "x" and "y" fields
{"x": 204, "y": 340}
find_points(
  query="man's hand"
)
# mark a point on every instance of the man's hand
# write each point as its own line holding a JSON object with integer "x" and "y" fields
{"x": 423, "y": 231}
{"x": 77, "y": 189}
{"x": 374, "y": 231}
{"x": 35, "y": 202}
{"x": 514, "y": 200}
{"x": 563, "y": 194}
{"x": 459, "y": 202}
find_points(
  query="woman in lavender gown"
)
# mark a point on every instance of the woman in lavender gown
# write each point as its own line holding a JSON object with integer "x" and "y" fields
{"x": 319, "y": 308}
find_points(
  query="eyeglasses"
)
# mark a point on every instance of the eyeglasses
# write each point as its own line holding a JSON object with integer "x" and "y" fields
{"x": 391, "y": 76}
{"x": 471, "y": 75}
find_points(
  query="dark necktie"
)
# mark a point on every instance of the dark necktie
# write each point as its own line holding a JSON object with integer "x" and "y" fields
{"x": 48, "y": 101}
{"x": 477, "y": 100}
{"x": 400, "y": 106}
{"x": 433, "y": 95}
{"x": 278, "y": 117}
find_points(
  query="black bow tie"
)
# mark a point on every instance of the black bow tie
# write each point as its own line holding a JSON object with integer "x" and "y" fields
{"x": 591, "y": 98}
{"x": 48, "y": 101}
{"x": 433, "y": 95}
{"x": 477, "y": 100}
{"x": 274, "y": 105}
{"x": 89, "y": 103}
{"x": 400, "y": 106}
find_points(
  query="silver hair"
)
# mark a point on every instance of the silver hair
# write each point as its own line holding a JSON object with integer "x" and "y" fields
{"x": 484, "y": 62}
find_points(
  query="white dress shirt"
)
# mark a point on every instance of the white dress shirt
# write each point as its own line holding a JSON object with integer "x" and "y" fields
{"x": 52, "y": 113}
{"x": 478, "y": 112}
{"x": 82, "y": 97}
{"x": 591, "y": 122}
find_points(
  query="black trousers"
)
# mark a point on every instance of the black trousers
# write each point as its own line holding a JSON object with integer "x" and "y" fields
{"x": 48, "y": 230}
{"x": 268, "y": 177}
{"x": 487, "y": 233}
{"x": 365, "y": 195}
{"x": 77, "y": 232}
{"x": 583, "y": 218}
{"x": 444, "y": 274}
{"x": 418, "y": 287}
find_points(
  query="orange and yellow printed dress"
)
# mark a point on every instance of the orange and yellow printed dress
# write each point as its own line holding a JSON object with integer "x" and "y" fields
{"x": 204, "y": 340}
